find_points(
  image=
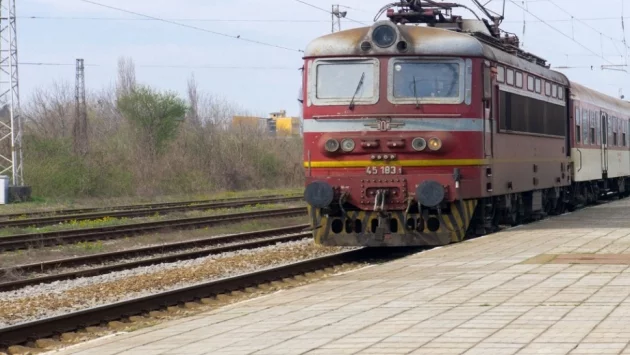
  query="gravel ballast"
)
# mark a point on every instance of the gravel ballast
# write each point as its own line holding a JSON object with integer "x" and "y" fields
{"x": 48, "y": 300}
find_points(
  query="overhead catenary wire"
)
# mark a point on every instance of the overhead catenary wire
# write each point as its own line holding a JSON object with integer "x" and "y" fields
{"x": 191, "y": 19}
{"x": 601, "y": 34}
{"x": 560, "y": 32}
{"x": 164, "y": 66}
{"x": 236, "y": 37}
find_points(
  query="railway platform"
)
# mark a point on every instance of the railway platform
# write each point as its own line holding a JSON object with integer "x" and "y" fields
{"x": 559, "y": 286}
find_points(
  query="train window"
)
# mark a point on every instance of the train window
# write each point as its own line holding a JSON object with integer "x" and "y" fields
{"x": 538, "y": 86}
{"x": 615, "y": 138}
{"x": 560, "y": 92}
{"x": 623, "y": 139}
{"x": 591, "y": 137}
{"x": 510, "y": 77}
{"x": 585, "y": 125}
{"x": 578, "y": 126}
{"x": 519, "y": 79}
{"x": 518, "y": 113}
{"x": 500, "y": 74}
{"x": 335, "y": 82}
{"x": 554, "y": 90}
{"x": 547, "y": 88}
{"x": 433, "y": 80}
{"x": 530, "y": 83}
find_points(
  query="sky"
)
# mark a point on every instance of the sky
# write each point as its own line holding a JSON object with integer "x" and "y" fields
{"x": 264, "y": 79}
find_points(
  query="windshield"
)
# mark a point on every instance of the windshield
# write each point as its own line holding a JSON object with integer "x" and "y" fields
{"x": 339, "y": 80}
{"x": 432, "y": 80}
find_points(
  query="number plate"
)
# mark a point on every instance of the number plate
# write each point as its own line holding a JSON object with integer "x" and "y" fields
{"x": 383, "y": 170}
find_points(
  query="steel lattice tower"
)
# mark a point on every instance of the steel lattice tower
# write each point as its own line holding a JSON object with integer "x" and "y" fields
{"x": 80, "y": 119}
{"x": 336, "y": 17}
{"x": 10, "y": 120}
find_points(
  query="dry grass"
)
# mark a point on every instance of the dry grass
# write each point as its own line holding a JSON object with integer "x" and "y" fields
{"x": 19, "y": 257}
{"x": 89, "y": 202}
{"x": 111, "y": 221}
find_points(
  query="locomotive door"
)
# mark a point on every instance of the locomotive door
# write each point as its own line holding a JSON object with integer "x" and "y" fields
{"x": 604, "y": 144}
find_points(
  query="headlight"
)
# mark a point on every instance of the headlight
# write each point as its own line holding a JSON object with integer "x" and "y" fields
{"x": 435, "y": 144}
{"x": 347, "y": 145}
{"x": 418, "y": 144}
{"x": 332, "y": 145}
{"x": 384, "y": 36}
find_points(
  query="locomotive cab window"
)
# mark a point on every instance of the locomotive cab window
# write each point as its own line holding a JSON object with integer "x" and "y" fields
{"x": 338, "y": 81}
{"x": 538, "y": 85}
{"x": 427, "y": 81}
{"x": 519, "y": 79}
{"x": 560, "y": 92}
{"x": 530, "y": 83}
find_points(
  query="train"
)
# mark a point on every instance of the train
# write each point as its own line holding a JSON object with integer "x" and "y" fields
{"x": 426, "y": 128}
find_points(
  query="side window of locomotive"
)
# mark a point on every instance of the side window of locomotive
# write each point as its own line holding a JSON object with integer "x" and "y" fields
{"x": 560, "y": 92}
{"x": 519, "y": 79}
{"x": 510, "y": 77}
{"x": 538, "y": 85}
{"x": 500, "y": 74}
{"x": 530, "y": 83}
{"x": 578, "y": 126}
{"x": 547, "y": 88}
{"x": 554, "y": 90}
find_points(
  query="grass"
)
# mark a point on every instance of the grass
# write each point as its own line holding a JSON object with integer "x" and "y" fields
{"x": 112, "y": 221}
{"x": 45, "y": 205}
{"x": 18, "y": 257}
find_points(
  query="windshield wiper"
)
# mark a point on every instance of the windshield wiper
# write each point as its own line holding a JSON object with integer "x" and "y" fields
{"x": 415, "y": 93}
{"x": 359, "y": 86}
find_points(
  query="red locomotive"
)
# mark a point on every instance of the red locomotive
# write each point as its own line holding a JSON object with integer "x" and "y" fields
{"x": 422, "y": 135}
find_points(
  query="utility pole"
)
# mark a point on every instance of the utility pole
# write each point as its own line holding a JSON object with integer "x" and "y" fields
{"x": 80, "y": 118}
{"x": 336, "y": 17}
{"x": 10, "y": 119}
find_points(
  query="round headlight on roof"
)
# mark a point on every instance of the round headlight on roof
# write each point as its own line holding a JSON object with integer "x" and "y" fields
{"x": 384, "y": 36}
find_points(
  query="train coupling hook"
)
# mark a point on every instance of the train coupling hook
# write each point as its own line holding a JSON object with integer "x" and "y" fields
{"x": 379, "y": 200}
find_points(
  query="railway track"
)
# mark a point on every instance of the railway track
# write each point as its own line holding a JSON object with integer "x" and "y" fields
{"x": 39, "y": 240}
{"x": 248, "y": 240}
{"x": 21, "y": 333}
{"x": 140, "y": 211}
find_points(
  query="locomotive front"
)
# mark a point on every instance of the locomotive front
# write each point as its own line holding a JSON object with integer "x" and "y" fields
{"x": 395, "y": 132}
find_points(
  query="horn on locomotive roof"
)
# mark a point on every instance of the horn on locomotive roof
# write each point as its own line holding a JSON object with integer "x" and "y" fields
{"x": 432, "y": 13}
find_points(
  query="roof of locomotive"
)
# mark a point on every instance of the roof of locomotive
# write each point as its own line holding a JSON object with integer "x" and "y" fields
{"x": 426, "y": 41}
{"x": 582, "y": 93}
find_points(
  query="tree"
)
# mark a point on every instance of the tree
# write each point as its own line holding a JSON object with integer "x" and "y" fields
{"x": 154, "y": 115}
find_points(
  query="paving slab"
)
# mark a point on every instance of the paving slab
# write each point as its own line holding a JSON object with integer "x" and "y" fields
{"x": 558, "y": 286}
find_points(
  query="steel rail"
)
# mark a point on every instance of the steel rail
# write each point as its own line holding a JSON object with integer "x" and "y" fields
{"x": 37, "y": 240}
{"x": 245, "y": 245}
{"x": 127, "y": 207}
{"x": 42, "y": 328}
{"x": 46, "y": 221}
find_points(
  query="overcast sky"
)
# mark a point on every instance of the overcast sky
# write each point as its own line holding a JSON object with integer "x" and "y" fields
{"x": 73, "y": 32}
